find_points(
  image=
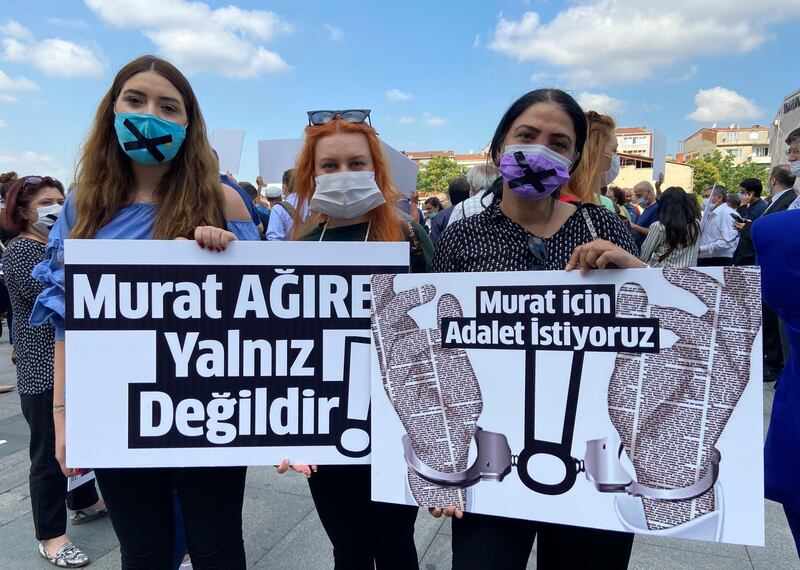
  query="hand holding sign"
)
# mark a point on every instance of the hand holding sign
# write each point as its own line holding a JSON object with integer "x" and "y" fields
{"x": 657, "y": 400}
{"x": 434, "y": 390}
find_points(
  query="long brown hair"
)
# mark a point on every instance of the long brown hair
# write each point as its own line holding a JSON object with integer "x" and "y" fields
{"x": 586, "y": 180}
{"x": 386, "y": 225}
{"x": 189, "y": 194}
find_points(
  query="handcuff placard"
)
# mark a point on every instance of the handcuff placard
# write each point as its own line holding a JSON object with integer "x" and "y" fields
{"x": 602, "y": 460}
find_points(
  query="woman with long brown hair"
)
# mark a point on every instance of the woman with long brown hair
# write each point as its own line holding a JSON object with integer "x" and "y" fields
{"x": 147, "y": 171}
{"x": 342, "y": 177}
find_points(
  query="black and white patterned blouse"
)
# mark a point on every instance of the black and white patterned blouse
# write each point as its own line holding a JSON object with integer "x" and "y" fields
{"x": 490, "y": 241}
{"x": 35, "y": 345}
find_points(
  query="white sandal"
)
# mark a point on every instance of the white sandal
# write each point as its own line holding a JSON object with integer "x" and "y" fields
{"x": 67, "y": 556}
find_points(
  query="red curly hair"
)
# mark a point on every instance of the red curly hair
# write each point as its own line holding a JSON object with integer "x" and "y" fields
{"x": 386, "y": 225}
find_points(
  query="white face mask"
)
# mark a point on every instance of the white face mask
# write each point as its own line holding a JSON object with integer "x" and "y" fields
{"x": 795, "y": 166}
{"x": 611, "y": 174}
{"x": 346, "y": 195}
{"x": 706, "y": 202}
{"x": 47, "y": 217}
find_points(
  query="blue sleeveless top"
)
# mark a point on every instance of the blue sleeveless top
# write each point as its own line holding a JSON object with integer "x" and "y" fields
{"x": 131, "y": 222}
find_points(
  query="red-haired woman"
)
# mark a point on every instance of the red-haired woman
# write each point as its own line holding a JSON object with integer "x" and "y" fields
{"x": 342, "y": 175}
{"x": 33, "y": 204}
{"x": 147, "y": 171}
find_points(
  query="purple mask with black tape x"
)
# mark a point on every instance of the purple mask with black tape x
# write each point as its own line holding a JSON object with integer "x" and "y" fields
{"x": 533, "y": 171}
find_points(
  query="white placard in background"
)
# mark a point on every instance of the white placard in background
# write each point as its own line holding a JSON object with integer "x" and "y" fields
{"x": 659, "y": 154}
{"x": 275, "y": 156}
{"x": 278, "y": 155}
{"x": 228, "y": 143}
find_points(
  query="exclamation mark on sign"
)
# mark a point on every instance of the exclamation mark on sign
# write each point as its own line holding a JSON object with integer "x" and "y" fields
{"x": 355, "y": 437}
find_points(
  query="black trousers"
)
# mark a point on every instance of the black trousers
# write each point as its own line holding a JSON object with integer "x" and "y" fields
{"x": 365, "y": 534}
{"x": 482, "y": 542}
{"x": 140, "y": 504}
{"x": 773, "y": 347}
{"x": 714, "y": 261}
{"x": 49, "y": 497}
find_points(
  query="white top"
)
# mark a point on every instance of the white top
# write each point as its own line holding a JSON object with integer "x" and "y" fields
{"x": 470, "y": 207}
{"x": 718, "y": 237}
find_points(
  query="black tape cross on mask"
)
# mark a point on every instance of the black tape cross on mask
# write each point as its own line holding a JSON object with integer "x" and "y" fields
{"x": 529, "y": 176}
{"x": 143, "y": 142}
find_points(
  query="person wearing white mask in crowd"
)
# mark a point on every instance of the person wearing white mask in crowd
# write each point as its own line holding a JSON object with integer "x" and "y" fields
{"x": 646, "y": 200}
{"x": 342, "y": 177}
{"x": 718, "y": 236}
{"x": 34, "y": 204}
{"x": 793, "y": 155}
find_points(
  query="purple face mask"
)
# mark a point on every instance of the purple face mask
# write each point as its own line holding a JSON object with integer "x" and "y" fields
{"x": 533, "y": 171}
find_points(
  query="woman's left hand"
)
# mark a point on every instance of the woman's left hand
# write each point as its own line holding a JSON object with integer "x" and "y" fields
{"x": 602, "y": 254}
{"x": 213, "y": 238}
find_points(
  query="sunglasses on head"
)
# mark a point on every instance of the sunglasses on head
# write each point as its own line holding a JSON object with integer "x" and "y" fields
{"x": 40, "y": 181}
{"x": 539, "y": 251}
{"x": 317, "y": 118}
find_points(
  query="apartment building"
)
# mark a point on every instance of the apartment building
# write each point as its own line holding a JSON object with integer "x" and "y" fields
{"x": 743, "y": 144}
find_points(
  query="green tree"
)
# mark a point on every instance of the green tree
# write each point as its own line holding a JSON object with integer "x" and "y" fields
{"x": 434, "y": 177}
{"x": 704, "y": 174}
{"x": 717, "y": 168}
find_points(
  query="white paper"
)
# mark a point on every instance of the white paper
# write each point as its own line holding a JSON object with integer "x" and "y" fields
{"x": 267, "y": 341}
{"x": 77, "y": 480}
{"x": 228, "y": 143}
{"x": 404, "y": 170}
{"x": 659, "y": 154}
{"x": 275, "y": 157}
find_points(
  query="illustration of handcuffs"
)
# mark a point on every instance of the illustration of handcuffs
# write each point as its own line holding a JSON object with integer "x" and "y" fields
{"x": 601, "y": 463}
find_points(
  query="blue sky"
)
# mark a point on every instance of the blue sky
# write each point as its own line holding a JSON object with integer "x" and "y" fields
{"x": 437, "y": 75}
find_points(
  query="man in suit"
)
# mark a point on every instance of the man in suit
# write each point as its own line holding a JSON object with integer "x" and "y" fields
{"x": 458, "y": 191}
{"x": 753, "y": 207}
{"x": 781, "y": 189}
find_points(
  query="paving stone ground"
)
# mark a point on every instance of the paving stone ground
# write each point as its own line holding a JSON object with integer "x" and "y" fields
{"x": 282, "y": 530}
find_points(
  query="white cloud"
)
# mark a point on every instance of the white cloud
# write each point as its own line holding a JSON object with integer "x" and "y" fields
{"x": 54, "y": 56}
{"x": 11, "y": 87}
{"x": 720, "y": 104}
{"x": 197, "y": 38}
{"x": 596, "y": 42}
{"x": 33, "y": 162}
{"x": 406, "y": 120}
{"x": 686, "y": 76}
{"x": 397, "y": 95}
{"x": 429, "y": 119}
{"x": 3, "y": 123}
{"x": 600, "y": 102}
{"x": 541, "y": 77}
{"x": 14, "y": 29}
{"x": 476, "y": 43}
{"x": 335, "y": 34}
{"x": 68, "y": 23}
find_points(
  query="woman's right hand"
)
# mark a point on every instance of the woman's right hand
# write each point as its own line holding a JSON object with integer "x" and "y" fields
{"x": 61, "y": 440}
{"x": 446, "y": 511}
{"x": 306, "y": 470}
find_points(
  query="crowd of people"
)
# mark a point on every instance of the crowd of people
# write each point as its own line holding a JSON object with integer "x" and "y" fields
{"x": 544, "y": 200}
